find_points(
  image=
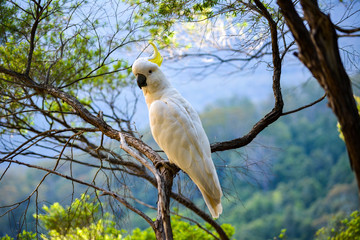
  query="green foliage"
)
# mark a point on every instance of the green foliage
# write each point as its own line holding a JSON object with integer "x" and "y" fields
{"x": 22, "y": 236}
{"x": 98, "y": 231}
{"x": 68, "y": 52}
{"x": 165, "y": 15}
{"x": 81, "y": 220}
{"x": 138, "y": 234}
{"x": 80, "y": 214}
{"x": 182, "y": 231}
{"x": 7, "y": 27}
{"x": 282, "y": 235}
{"x": 341, "y": 229}
{"x": 63, "y": 53}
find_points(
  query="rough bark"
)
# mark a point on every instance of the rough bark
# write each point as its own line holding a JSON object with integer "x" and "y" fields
{"x": 319, "y": 52}
{"x": 163, "y": 221}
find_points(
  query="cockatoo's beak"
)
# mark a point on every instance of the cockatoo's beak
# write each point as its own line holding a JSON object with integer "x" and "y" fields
{"x": 156, "y": 57}
{"x": 141, "y": 80}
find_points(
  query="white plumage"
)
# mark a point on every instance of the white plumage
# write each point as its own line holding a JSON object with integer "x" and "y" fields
{"x": 177, "y": 129}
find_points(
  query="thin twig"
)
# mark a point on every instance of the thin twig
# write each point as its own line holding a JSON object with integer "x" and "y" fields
{"x": 104, "y": 191}
{"x": 303, "y": 107}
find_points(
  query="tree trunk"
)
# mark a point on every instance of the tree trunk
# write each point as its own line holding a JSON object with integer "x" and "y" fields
{"x": 319, "y": 51}
{"x": 163, "y": 222}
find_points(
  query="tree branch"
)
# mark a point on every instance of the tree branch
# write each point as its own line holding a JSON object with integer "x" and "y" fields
{"x": 276, "y": 112}
{"x": 85, "y": 114}
{"x": 303, "y": 107}
{"x": 37, "y": 19}
{"x": 104, "y": 191}
{"x": 348, "y": 31}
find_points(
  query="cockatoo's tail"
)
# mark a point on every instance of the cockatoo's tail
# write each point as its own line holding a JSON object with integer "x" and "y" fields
{"x": 177, "y": 129}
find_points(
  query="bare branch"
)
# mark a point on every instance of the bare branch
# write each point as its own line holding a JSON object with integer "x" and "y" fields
{"x": 126, "y": 148}
{"x": 104, "y": 191}
{"x": 303, "y": 107}
{"x": 348, "y": 31}
{"x": 38, "y": 12}
{"x": 276, "y": 112}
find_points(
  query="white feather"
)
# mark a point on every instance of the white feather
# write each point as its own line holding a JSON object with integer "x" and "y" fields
{"x": 177, "y": 129}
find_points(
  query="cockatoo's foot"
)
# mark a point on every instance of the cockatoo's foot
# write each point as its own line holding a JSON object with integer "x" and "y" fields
{"x": 171, "y": 167}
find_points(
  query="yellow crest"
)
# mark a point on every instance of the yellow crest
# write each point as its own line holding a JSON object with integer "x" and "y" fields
{"x": 156, "y": 57}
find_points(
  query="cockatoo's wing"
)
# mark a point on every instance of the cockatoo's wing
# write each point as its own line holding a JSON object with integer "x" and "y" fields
{"x": 177, "y": 129}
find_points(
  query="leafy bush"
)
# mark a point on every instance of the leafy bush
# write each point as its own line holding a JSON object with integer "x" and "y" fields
{"x": 346, "y": 229}
{"x": 183, "y": 231}
{"x": 82, "y": 213}
{"x": 81, "y": 220}
{"x": 22, "y": 236}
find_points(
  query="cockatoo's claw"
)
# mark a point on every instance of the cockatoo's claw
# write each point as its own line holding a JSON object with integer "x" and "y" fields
{"x": 171, "y": 167}
{"x": 175, "y": 168}
{"x": 160, "y": 164}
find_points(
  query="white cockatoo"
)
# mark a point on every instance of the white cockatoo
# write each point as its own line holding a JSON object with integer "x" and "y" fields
{"x": 177, "y": 129}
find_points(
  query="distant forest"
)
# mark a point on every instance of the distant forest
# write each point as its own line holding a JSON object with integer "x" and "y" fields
{"x": 294, "y": 176}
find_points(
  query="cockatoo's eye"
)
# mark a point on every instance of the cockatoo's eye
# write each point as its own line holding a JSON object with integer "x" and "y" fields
{"x": 150, "y": 71}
